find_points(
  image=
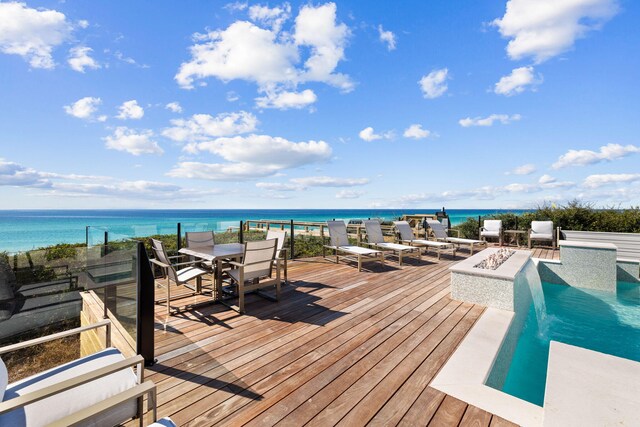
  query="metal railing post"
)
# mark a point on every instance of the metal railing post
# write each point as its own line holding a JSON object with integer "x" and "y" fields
{"x": 241, "y": 236}
{"x": 86, "y": 235}
{"x": 179, "y": 233}
{"x": 145, "y": 308}
{"x": 292, "y": 239}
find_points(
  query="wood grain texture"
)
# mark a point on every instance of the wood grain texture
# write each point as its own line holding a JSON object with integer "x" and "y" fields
{"x": 341, "y": 347}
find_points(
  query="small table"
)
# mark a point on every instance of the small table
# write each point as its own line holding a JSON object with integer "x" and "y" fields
{"x": 217, "y": 254}
{"x": 514, "y": 236}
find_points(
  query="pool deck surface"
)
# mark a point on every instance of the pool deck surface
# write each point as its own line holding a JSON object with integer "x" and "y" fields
{"x": 340, "y": 348}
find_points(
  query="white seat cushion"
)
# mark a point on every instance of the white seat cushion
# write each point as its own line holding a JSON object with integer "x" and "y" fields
{"x": 4, "y": 378}
{"x": 541, "y": 236}
{"x": 73, "y": 400}
{"x": 463, "y": 241}
{"x": 488, "y": 233}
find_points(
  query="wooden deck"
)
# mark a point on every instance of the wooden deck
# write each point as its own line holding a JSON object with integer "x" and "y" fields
{"x": 340, "y": 348}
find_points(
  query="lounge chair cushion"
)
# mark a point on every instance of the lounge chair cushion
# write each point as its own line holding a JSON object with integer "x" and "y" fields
{"x": 58, "y": 406}
{"x": 541, "y": 236}
{"x": 489, "y": 233}
{"x": 464, "y": 241}
{"x": 492, "y": 226}
{"x": 542, "y": 227}
{"x": 4, "y": 378}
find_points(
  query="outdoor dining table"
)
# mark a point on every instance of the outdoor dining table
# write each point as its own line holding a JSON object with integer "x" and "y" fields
{"x": 216, "y": 254}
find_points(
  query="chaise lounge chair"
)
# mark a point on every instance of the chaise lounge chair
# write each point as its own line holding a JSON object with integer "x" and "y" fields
{"x": 542, "y": 231}
{"x": 492, "y": 228}
{"x": 442, "y": 235}
{"x": 407, "y": 236}
{"x": 340, "y": 244}
{"x": 376, "y": 240}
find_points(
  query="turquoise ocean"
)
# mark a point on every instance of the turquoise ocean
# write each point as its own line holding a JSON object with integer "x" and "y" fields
{"x": 28, "y": 229}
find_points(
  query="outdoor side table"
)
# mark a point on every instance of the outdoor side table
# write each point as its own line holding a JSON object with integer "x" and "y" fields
{"x": 514, "y": 236}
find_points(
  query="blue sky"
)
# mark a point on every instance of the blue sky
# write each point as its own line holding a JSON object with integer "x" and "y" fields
{"x": 466, "y": 104}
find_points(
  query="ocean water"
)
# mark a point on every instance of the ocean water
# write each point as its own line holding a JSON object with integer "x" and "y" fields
{"x": 28, "y": 229}
{"x": 601, "y": 321}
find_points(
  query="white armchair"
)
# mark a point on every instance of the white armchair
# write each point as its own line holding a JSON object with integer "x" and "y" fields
{"x": 542, "y": 231}
{"x": 101, "y": 389}
{"x": 492, "y": 229}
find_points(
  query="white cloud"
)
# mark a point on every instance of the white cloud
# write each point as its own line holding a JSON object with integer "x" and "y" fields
{"x": 368, "y": 134}
{"x": 174, "y": 107}
{"x": 607, "y": 152}
{"x": 518, "y": 81}
{"x": 349, "y": 194}
{"x": 284, "y": 100}
{"x": 221, "y": 171}
{"x": 267, "y": 150}
{"x": 279, "y": 186}
{"x": 251, "y": 156}
{"x": 542, "y": 29}
{"x": 527, "y": 169}
{"x": 546, "y": 179}
{"x": 505, "y": 119}
{"x": 74, "y": 185}
{"x": 79, "y": 59}
{"x": 272, "y": 17}
{"x": 594, "y": 181}
{"x": 232, "y": 96}
{"x": 387, "y": 37}
{"x": 434, "y": 84}
{"x": 327, "y": 181}
{"x": 415, "y": 131}
{"x": 202, "y": 127}
{"x": 130, "y": 110}
{"x": 32, "y": 33}
{"x": 15, "y": 175}
{"x": 132, "y": 141}
{"x": 84, "y": 108}
{"x": 273, "y": 59}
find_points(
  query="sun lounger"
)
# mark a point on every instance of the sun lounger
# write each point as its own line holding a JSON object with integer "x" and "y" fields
{"x": 442, "y": 235}
{"x": 376, "y": 240}
{"x": 407, "y": 237}
{"x": 340, "y": 244}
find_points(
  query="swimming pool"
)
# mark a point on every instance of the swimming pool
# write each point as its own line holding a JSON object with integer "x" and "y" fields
{"x": 596, "y": 320}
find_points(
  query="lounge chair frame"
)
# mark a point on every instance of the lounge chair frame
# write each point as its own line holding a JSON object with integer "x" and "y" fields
{"x": 340, "y": 243}
{"x": 375, "y": 239}
{"x": 406, "y": 236}
{"x": 441, "y": 234}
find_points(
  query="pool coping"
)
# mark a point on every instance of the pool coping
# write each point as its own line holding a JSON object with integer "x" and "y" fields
{"x": 465, "y": 373}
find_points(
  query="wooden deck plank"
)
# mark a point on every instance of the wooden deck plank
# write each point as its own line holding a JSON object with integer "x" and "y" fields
{"x": 449, "y": 413}
{"x": 341, "y": 347}
{"x": 475, "y": 417}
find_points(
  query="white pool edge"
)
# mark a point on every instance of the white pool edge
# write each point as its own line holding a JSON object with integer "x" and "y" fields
{"x": 465, "y": 373}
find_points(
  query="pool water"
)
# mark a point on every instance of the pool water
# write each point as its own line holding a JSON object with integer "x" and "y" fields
{"x": 596, "y": 320}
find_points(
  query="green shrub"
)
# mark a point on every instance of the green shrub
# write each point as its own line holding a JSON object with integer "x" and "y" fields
{"x": 574, "y": 215}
